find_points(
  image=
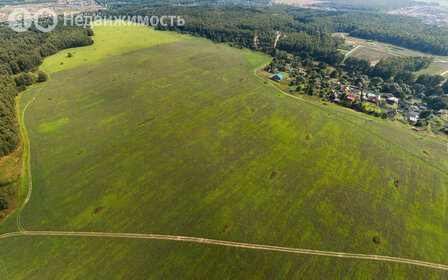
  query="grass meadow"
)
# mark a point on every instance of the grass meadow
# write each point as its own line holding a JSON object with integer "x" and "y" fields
{"x": 176, "y": 135}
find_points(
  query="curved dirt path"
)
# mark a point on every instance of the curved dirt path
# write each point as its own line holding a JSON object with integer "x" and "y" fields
{"x": 350, "y": 52}
{"x": 229, "y": 244}
{"x": 27, "y": 150}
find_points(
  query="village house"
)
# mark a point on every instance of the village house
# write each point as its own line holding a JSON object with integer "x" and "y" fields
{"x": 412, "y": 117}
{"x": 441, "y": 113}
{"x": 371, "y": 95}
{"x": 392, "y": 100}
{"x": 377, "y": 99}
{"x": 277, "y": 77}
{"x": 334, "y": 96}
{"x": 391, "y": 113}
{"x": 412, "y": 120}
{"x": 351, "y": 97}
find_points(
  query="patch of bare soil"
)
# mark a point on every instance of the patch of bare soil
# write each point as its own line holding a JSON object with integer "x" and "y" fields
{"x": 274, "y": 175}
{"x": 378, "y": 241}
{"x": 148, "y": 120}
{"x": 226, "y": 229}
{"x": 98, "y": 210}
{"x": 308, "y": 137}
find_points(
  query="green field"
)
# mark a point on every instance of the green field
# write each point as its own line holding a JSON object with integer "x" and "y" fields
{"x": 177, "y": 136}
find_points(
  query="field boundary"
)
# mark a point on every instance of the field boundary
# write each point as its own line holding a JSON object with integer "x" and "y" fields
{"x": 229, "y": 244}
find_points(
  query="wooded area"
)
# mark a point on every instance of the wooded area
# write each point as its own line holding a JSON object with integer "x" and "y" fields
{"x": 20, "y": 55}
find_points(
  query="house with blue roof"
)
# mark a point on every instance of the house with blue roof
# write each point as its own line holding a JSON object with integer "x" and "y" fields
{"x": 277, "y": 77}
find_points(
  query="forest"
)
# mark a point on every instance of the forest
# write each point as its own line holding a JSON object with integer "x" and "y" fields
{"x": 365, "y": 5}
{"x": 233, "y": 23}
{"x": 20, "y": 56}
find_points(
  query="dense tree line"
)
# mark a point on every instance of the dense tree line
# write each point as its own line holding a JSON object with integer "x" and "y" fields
{"x": 402, "y": 31}
{"x": 253, "y": 27}
{"x": 368, "y": 5}
{"x": 234, "y": 22}
{"x": 20, "y": 55}
{"x": 400, "y": 67}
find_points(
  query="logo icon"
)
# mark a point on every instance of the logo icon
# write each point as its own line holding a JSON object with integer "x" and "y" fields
{"x": 20, "y": 20}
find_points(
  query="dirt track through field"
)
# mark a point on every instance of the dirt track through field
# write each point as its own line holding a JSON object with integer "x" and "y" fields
{"x": 357, "y": 47}
{"x": 228, "y": 244}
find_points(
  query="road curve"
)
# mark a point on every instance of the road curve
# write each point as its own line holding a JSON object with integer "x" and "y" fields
{"x": 229, "y": 244}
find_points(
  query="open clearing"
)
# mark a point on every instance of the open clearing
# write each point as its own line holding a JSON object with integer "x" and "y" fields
{"x": 374, "y": 51}
{"x": 180, "y": 138}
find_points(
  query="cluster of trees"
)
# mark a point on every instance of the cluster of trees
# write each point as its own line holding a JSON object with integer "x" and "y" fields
{"x": 396, "y": 75}
{"x": 376, "y": 5}
{"x": 20, "y": 55}
{"x": 393, "y": 67}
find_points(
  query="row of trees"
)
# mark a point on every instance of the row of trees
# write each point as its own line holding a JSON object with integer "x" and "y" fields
{"x": 20, "y": 55}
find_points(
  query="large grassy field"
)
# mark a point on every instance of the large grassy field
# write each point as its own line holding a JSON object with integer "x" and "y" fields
{"x": 177, "y": 136}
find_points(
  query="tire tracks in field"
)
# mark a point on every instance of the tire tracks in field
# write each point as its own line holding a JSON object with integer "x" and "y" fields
{"x": 251, "y": 246}
{"x": 350, "y": 52}
{"x": 27, "y": 150}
